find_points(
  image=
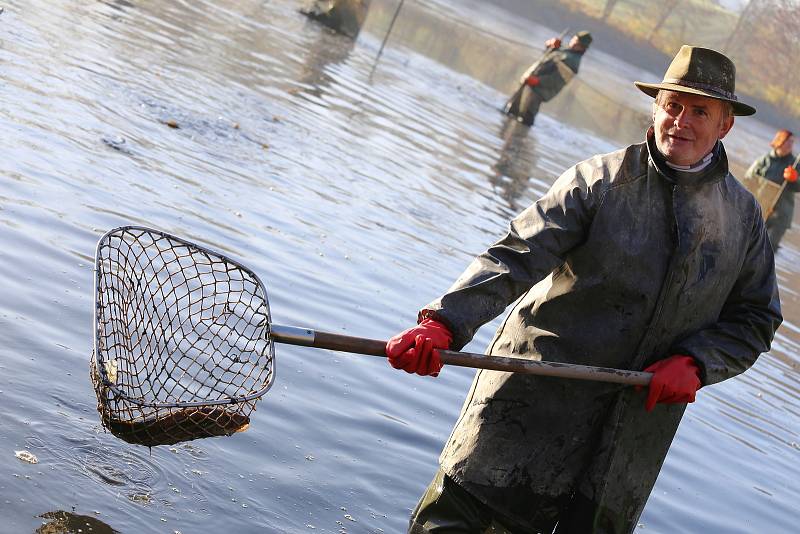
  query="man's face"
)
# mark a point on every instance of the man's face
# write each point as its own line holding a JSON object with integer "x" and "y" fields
{"x": 786, "y": 148}
{"x": 687, "y": 126}
{"x": 575, "y": 44}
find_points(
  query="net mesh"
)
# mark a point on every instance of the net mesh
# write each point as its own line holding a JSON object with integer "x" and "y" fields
{"x": 182, "y": 347}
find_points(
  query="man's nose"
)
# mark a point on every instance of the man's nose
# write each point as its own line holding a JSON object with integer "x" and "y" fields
{"x": 682, "y": 118}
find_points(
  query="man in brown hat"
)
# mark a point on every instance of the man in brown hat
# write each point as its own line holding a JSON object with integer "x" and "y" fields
{"x": 653, "y": 257}
{"x": 547, "y": 77}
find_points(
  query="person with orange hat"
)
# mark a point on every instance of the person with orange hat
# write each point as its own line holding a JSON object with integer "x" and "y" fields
{"x": 547, "y": 77}
{"x": 653, "y": 257}
{"x": 777, "y": 166}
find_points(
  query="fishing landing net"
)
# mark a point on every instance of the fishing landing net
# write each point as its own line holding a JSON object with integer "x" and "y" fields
{"x": 182, "y": 348}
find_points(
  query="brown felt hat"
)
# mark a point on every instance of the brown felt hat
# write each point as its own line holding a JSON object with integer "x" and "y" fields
{"x": 700, "y": 71}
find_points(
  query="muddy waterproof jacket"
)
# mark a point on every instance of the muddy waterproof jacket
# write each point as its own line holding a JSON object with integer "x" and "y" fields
{"x": 622, "y": 263}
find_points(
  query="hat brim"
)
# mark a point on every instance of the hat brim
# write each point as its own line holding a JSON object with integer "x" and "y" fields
{"x": 651, "y": 89}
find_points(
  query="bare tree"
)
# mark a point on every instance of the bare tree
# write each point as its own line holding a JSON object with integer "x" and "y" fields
{"x": 609, "y": 7}
{"x": 766, "y": 47}
{"x": 743, "y": 17}
{"x": 666, "y": 10}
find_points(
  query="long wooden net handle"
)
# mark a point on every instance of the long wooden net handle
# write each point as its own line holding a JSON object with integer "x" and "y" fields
{"x": 323, "y": 340}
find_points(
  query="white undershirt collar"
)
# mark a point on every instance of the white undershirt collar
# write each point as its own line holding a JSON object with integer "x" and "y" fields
{"x": 697, "y": 167}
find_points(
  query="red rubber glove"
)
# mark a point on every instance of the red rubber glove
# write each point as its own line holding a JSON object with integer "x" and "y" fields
{"x": 532, "y": 81}
{"x": 415, "y": 350}
{"x": 553, "y": 43}
{"x": 790, "y": 174}
{"x": 675, "y": 380}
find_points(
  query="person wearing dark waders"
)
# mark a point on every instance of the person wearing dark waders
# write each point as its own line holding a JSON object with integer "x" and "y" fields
{"x": 653, "y": 257}
{"x": 779, "y": 165}
{"x": 547, "y": 77}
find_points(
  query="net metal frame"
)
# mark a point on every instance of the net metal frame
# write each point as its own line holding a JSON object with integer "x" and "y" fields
{"x": 182, "y": 344}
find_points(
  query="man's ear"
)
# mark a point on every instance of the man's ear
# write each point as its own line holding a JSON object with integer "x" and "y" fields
{"x": 725, "y": 127}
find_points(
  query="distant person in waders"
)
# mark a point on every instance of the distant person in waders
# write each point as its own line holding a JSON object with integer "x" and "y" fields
{"x": 653, "y": 257}
{"x": 547, "y": 77}
{"x": 777, "y": 166}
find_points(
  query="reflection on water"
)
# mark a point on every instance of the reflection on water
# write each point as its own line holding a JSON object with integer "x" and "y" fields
{"x": 514, "y": 163}
{"x": 328, "y": 50}
{"x": 358, "y": 192}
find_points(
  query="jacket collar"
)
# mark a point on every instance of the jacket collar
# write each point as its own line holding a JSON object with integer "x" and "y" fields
{"x": 774, "y": 155}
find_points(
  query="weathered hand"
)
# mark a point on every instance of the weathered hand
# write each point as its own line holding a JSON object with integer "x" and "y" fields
{"x": 415, "y": 350}
{"x": 675, "y": 380}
